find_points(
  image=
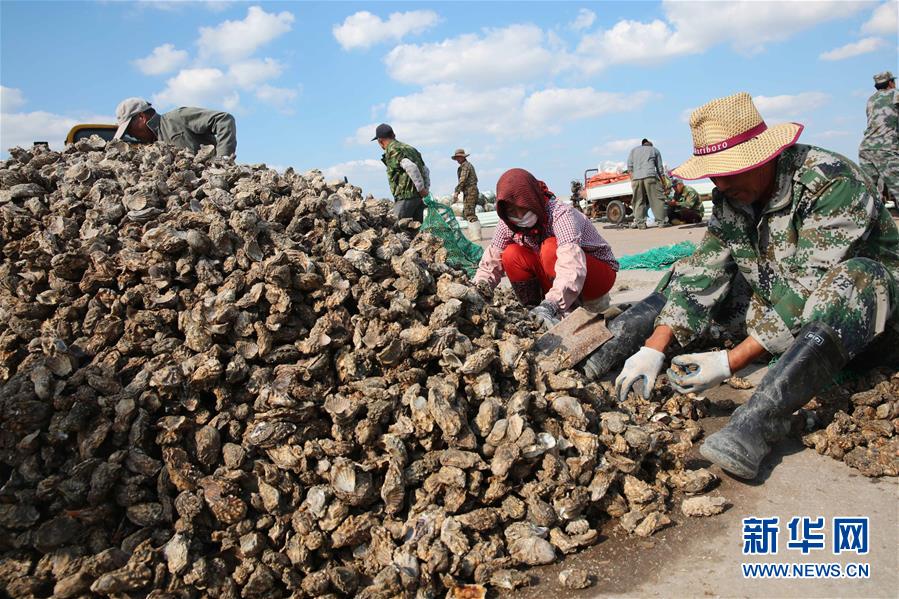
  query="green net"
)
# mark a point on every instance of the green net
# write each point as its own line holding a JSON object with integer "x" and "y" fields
{"x": 658, "y": 258}
{"x": 439, "y": 220}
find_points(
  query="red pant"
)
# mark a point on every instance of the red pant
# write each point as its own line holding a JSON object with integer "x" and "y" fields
{"x": 523, "y": 264}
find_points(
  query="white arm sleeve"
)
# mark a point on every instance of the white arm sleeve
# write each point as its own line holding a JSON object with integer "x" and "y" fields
{"x": 412, "y": 170}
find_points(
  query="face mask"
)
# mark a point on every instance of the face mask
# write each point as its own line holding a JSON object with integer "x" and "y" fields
{"x": 526, "y": 221}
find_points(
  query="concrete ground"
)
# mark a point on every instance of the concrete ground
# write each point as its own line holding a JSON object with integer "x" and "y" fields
{"x": 703, "y": 556}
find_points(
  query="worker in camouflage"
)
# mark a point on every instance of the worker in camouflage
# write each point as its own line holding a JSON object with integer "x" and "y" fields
{"x": 799, "y": 256}
{"x": 878, "y": 152}
{"x": 822, "y": 229}
{"x": 684, "y": 205}
{"x": 467, "y": 185}
{"x": 406, "y": 172}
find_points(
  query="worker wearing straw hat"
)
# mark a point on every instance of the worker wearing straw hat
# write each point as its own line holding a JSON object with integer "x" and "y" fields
{"x": 467, "y": 185}
{"x": 878, "y": 153}
{"x": 798, "y": 251}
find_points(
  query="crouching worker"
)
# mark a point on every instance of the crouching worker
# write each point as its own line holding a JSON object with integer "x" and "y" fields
{"x": 685, "y": 205}
{"x": 553, "y": 256}
{"x": 800, "y": 259}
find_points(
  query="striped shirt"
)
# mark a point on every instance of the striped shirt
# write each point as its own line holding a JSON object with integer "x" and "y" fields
{"x": 567, "y": 225}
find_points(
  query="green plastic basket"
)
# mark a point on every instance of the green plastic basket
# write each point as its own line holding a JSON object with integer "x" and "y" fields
{"x": 461, "y": 253}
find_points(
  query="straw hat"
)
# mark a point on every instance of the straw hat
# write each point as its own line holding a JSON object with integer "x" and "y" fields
{"x": 730, "y": 137}
{"x": 460, "y": 153}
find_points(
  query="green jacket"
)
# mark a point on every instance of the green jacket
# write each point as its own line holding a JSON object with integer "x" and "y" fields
{"x": 820, "y": 215}
{"x": 406, "y": 171}
{"x": 690, "y": 199}
{"x": 883, "y": 121}
{"x": 191, "y": 128}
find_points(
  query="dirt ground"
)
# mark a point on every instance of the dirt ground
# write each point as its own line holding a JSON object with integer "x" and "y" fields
{"x": 703, "y": 556}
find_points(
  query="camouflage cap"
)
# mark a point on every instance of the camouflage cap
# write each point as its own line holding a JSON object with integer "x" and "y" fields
{"x": 884, "y": 77}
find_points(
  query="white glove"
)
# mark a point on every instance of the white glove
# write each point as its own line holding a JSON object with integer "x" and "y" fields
{"x": 547, "y": 313}
{"x": 701, "y": 371}
{"x": 645, "y": 364}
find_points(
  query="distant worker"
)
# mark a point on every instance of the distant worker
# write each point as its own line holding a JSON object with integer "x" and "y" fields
{"x": 185, "y": 127}
{"x": 878, "y": 154}
{"x": 644, "y": 164}
{"x": 553, "y": 255}
{"x": 467, "y": 185}
{"x": 406, "y": 172}
{"x": 685, "y": 205}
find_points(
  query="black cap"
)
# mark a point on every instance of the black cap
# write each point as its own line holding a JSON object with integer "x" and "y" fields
{"x": 384, "y": 131}
{"x": 646, "y": 142}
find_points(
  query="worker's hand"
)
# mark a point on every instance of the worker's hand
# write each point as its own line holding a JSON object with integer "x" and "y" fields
{"x": 547, "y": 313}
{"x": 644, "y": 365}
{"x": 424, "y": 192}
{"x": 699, "y": 371}
{"x": 484, "y": 289}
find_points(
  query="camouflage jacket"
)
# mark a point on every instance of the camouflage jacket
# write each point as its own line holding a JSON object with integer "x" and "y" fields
{"x": 883, "y": 121}
{"x": 191, "y": 128}
{"x": 820, "y": 214}
{"x": 690, "y": 199}
{"x": 401, "y": 182}
{"x": 468, "y": 179}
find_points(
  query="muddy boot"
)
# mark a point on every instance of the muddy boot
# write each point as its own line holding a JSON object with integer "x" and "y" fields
{"x": 529, "y": 292}
{"x": 804, "y": 370}
{"x": 629, "y": 330}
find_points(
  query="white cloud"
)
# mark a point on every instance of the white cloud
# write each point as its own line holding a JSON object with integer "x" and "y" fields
{"x": 446, "y": 113}
{"x": 832, "y": 133}
{"x": 884, "y": 20}
{"x": 250, "y": 73}
{"x": 617, "y": 146}
{"x": 11, "y": 99}
{"x": 775, "y": 108}
{"x": 346, "y": 169}
{"x": 163, "y": 59}
{"x": 693, "y": 27}
{"x": 279, "y": 97}
{"x": 863, "y": 46}
{"x": 203, "y": 87}
{"x": 549, "y": 107}
{"x": 584, "y": 20}
{"x": 747, "y": 25}
{"x": 631, "y": 42}
{"x": 231, "y": 41}
{"x": 363, "y": 29}
{"x": 500, "y": 57}
{"x": 24, "y": 128}
{"x": 174, "y": 5}
{"x": 442, "y": 113}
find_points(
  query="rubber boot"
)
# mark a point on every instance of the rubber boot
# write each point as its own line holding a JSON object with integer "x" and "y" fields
{"x": 803, "y": 371}
{"x": 529, "y": 292}
{"x": 629, "y": 330}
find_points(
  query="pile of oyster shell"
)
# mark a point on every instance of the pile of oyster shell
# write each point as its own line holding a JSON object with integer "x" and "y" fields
{"x": 220, "y": 380}
{"x": 858, "y": 423}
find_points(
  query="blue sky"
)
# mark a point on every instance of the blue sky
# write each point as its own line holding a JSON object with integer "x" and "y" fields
{"x": 552, "y": 87}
